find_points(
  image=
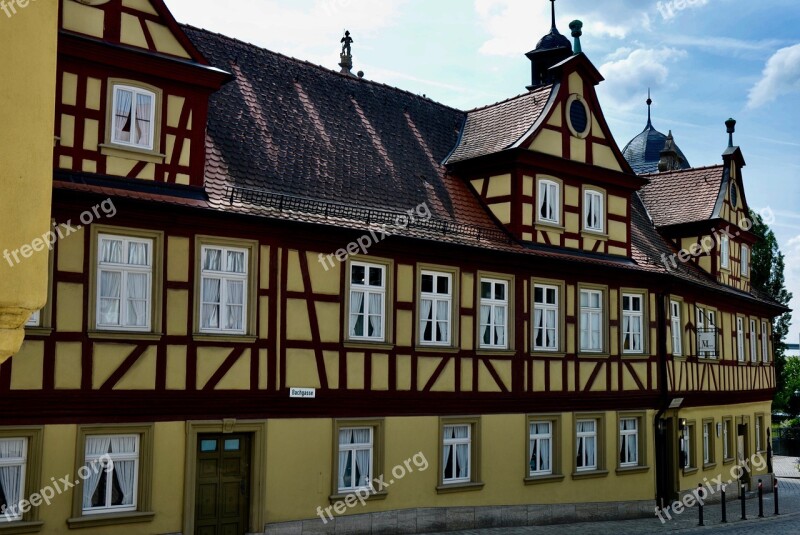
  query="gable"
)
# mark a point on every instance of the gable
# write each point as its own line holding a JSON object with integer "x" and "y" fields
{"x": 143, "y": 24}
{"x": 731, "y": 202}
{"x": 573, "y": 127}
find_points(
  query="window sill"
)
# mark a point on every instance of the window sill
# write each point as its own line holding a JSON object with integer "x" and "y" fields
{"x": 727, "y": 461}
{"x": 689, "y": 471}
{"x": 445, "y": 488}
{"x": 132, "y": 153}
{"x": 589, "y": 474}
{"x": 38, "y": 331}
{"x": 333, "y": 498}
{"x": 124, "y": 335}
{"x": 709, "y": 466}
{"x": 488, "y": 352}
{"x": 366, "y": 344}
{"x": 708, "y": 360}
{"x": 592, "y": 354}
{"x": 91, "y": 521}
{"x": 436, "y": 349}
{"x": 554, "y": 354}
{"x": 547, "y": 226}
{"x": 594, "y": 234}
{"x": 623, "y": 470}
{"x": 20, "y": 526}
{"x": 232, "y": 338}
{"x": 632, "y": 356}
{"x": 536, "y": 480}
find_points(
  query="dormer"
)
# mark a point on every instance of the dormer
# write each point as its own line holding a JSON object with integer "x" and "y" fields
{"x": 709, "y": 226}
{"x": 546, "y": 165}
{"x": 132, "y": 95}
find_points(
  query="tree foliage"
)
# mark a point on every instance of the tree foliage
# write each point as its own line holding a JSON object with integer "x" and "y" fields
{"x": 766, "y": 275}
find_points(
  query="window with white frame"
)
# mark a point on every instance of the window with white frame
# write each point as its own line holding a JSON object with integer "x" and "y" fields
{"x": 764, "y": 342}
{"x": 677, "y": 328}
{"x": 367, "y": 301}
{"x": 740, "y": 339}
{"x": 745, "y": 260}
{"x": 593, "y": 211}
{"x": 223, "y": 290}
{"x": 711, "y": 319}
{"x": 725, "y": 251}
{"x": 700, "y": 326}
{"x": 436, "y": 304}
{"x": 456, "y": 452}
{"x": 549, "y": 202}
{"x": 112, "y": 465}
{"x": 586, "y": 453}
{"x": 545, "y": 317}
{"x": 759, "y": 425}
{"x": 708, "y": 433}
{"x": 686, "y": 446}
{"x": 124, "y": 288}
{"x": 133, "y": 119}
{"x": 13, "y": 464}
{"x": 629, "y": 442}
{"x": 632, "y": 323}
{"x": 540, "y": 448}
{"x": 35, "y": 320}
{"x": 727, "y": 436}
{"x": 355, "y": 458}
{"x": 753, "y": 342}
{"x": 494, "y": 314}
{"x": 591, "y": 320}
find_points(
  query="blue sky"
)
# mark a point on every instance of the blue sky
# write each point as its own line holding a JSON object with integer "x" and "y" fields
{"x": 704, "y": 60}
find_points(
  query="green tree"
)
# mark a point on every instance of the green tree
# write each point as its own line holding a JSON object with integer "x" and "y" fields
{"x": 767, "y": 276}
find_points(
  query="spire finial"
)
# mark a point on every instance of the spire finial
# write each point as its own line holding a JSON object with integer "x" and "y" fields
{"x": 553, "y": 14}
{"x": 731, "y": 124}
{"x": 576, "y": 27}
{"x": 649, "y": 103}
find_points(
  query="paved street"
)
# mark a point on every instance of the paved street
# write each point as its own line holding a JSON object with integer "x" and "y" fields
{"x": 785, "y": 524}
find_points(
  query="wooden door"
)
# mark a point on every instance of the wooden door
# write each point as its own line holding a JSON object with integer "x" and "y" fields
{"x": 222, "y": 491}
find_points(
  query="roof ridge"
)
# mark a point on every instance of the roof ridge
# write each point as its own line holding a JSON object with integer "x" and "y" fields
{"x": 487, "y": 106}
{"x": 319, "y": 67}
{"x": 687, "y": 170}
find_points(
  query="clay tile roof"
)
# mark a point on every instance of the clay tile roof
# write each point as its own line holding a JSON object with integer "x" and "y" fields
{"x": 499, "y": 126}
{"x": 289, "y": 127}
{"x": 682, "y": 196}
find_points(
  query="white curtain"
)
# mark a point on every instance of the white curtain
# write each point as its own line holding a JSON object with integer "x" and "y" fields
{"x": 356, "y": 313}
{"x": 111, "y": 251}
{"x": 212, "y": 260}
{"x": 442, "y": 318}
{"x": 375, "y": 314}
{"x": 486, "y": 312}
{"x": 236, "y": 262}
{"x": 211, "y": 303}
{"x": 551, "y": 328}
{"x": 95, "y": 448}
{"x": 110, "y": 289}
{"x": 144, "y": 104}
{"x": 122, "y": 125}
{"x": 499, "y": 325}
{"x": 235, "y": 305}
{"x": 137, "y": 299}
{"x": 538, "y": 328}
{"x": 426, "y": 319}
{"x": 11, "y": 476}
{"x": 627, "y": 343}
{"x": 138, "y": 254}
{"x": 462, "y": 452}
{"x": 345, "y": 437}
{"x": 595, "y": 331}
{"x": 125, "y": 470}
{"x": 363, "y": 464}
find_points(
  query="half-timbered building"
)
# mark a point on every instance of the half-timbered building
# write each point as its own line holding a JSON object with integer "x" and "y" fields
{"x": 291, "y": 299}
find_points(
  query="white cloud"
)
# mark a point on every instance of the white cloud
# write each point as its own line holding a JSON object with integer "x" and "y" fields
{"x": 630, "y": 72}
{"x": 781, "y": 76}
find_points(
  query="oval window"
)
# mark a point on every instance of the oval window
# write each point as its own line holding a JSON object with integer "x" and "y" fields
{"x": 578, "y": 116}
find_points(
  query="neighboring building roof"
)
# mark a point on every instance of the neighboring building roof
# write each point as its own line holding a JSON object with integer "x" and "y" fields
{"x": 553, "y": 39}
{"x": 499, "y": 126}
{"x": 644, "y": 151}
{"x": 682, "y": 196}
